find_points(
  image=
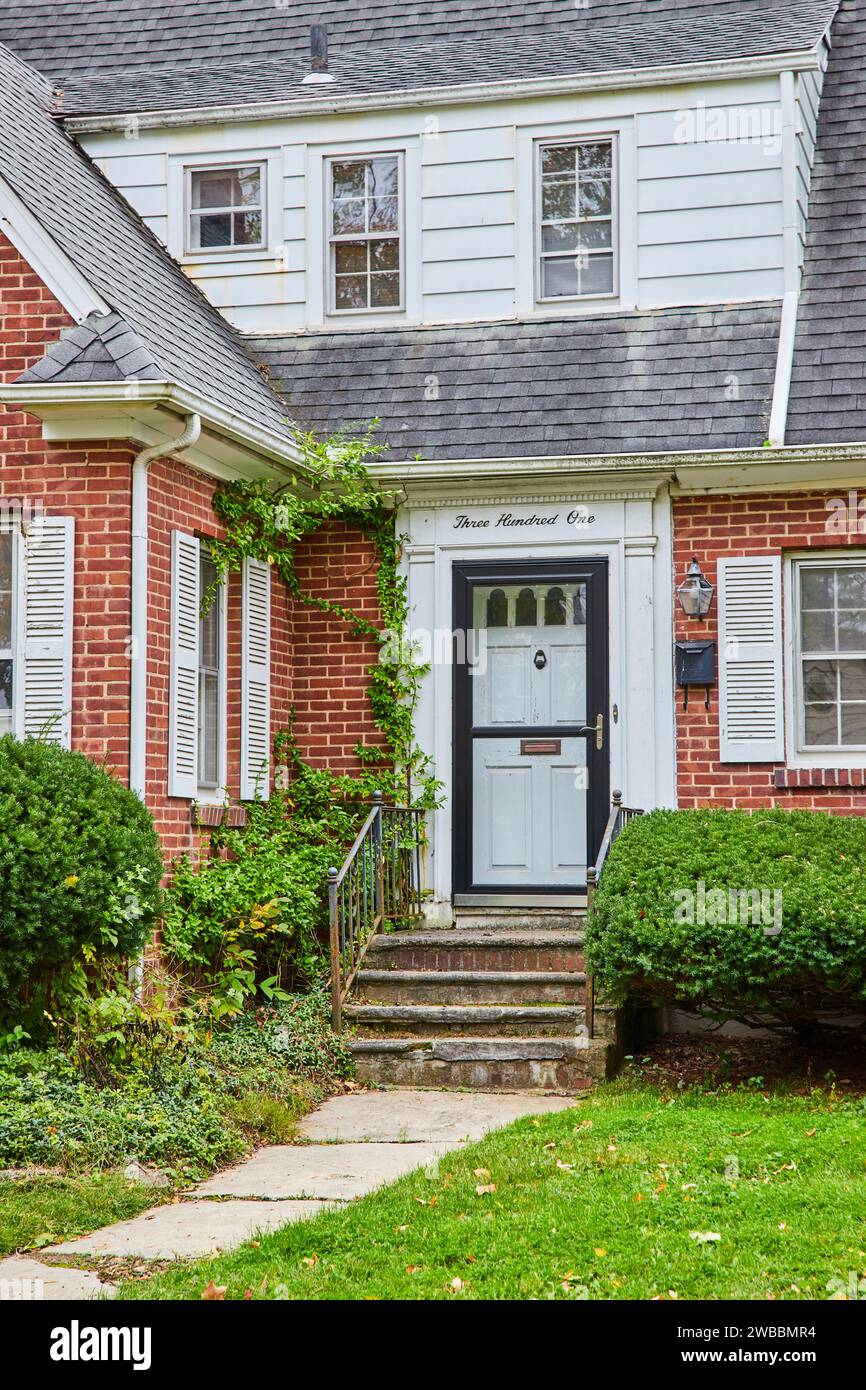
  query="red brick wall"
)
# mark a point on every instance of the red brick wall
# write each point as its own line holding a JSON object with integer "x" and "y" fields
{"x": 329, "y": 686}
{"x": 712, "y": 527}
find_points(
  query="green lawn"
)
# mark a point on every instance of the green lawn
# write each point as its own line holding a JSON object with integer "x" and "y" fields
{"x": 40, "y": 1211}
{"x": 634, "y": 1194}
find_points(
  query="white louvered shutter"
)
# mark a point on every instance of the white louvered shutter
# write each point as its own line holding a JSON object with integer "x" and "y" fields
{"x": 183, "y": 696}
{"x": 256, "y": 689}
{"x": 49, "y": 557}
{"x": 750, "y": 660}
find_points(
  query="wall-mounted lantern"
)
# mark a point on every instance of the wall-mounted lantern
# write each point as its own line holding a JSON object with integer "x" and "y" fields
{"x": 695, "y": 594}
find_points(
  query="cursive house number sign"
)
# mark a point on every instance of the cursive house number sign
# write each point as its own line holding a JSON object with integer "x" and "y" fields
{"x": 578, "y": 517}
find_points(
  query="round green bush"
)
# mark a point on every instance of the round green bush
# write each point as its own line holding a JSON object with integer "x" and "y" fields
{"x": 80, "y": 867}
{"x": 759, "y": 916}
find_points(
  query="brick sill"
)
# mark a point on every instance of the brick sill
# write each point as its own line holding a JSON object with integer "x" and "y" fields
{"x": 797, "y": 778}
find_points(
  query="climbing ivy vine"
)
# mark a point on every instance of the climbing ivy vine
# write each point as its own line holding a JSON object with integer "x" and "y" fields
{"x": 268, "y": 525}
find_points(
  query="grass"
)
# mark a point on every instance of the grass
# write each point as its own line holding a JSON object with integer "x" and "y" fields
{"x": 635, "y": 1194}
{"x": 40, "y": 1211}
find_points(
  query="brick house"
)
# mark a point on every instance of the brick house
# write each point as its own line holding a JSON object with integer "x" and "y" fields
{"x": 596, "y": 272}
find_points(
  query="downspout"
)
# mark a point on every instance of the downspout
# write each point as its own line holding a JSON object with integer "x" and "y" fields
{"x": 139, "y": 598}
{"x": 791, "y": 260}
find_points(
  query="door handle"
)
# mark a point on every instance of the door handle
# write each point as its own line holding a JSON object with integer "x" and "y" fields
{"x": 598, "y": 729}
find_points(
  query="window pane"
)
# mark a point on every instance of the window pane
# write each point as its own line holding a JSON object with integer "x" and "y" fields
{"x": 854, "y": 724}
{"x": 818, "y": 632}
{"x": 821, "y": 725}
{"x": 5, "y": 685}
{"x": 351, "y": 292}
{"x": 384, "y": 255}
{"x": 816, "y": 588}
{"x": 576, "y": 236}
{"x": 558, "y": 159}
{"x": 853, "y": 680}
{"x": 595, "y": 197}
{"x": 819, "y": 681}
{"x": 350, "y": 216}
{"x": 248, "y": 188}
{"x": 208, "y": 730}
{"x": 558, "y": 200}
{"x": 382, "y": 178}
{"x": 559, "y": 278}
{"x": 527, "y": 609}
{"x": 554, "y": 608}
{"x": 595, "y": 274}
{"x": 594, "y": 158}
{"x": 851, "y": 585}
{"x": 248, "y": 228}
{"x": 385, "y": 290}
{"x": 213, "y": 230}
{"x": 213, "y": 190}
{"x": 497, "y": 609}
{"x": 349, "y": 180}
{"x": 384, "y": 215}
{"x": 5, "y": 589}
{"x": 852, "y": 630}
{"x": 350, "y": 257}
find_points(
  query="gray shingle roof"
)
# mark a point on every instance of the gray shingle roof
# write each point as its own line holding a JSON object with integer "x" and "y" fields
{"x": 633, "y": 383}
{"x": 378, "y": 68}
{"x": 103, "y": 348}
{"x": 145, "y": 56}
{"x": 828, "y": 388}
{"x": 65, "y": 37}
{"x": 184, "y": 337}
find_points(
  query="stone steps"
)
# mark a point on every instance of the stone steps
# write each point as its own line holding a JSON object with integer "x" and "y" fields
{"x": 470, "y": 987}
{"x": 479, "y": 1020}
{"x": 452, "y": 949}
{"x": 568, "y": 1064}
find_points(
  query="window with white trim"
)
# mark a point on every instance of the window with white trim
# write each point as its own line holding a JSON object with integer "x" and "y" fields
{"x": 210, "y": 664}
{"x": 226, "y": 208}
{"x": 7, "y": 635}
{"x": 576, "y": 217}
{"x": 364, "y": 234}
{"x": 830, "y": 622}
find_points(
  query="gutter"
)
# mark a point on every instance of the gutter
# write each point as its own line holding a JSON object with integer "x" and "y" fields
{"x": 139, "y": 598}
{"x": 620, "y": 79}
{"x": 181, "y": 399}
{"x": 792, "y": 263}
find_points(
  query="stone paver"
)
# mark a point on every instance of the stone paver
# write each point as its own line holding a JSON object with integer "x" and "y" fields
{"x": 341, "y": 1171}
{"x": 421, "y": 1116}
{"x": 187, "y": 1230}
{"x": 353, "y": 1145}
{"x": 28, "y": 1280}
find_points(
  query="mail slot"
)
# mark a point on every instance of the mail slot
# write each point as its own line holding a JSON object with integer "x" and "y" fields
{"x": 539, "y": 747}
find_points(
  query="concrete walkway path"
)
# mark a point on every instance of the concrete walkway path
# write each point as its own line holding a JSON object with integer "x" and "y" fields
{"x": 348, "y": 1147}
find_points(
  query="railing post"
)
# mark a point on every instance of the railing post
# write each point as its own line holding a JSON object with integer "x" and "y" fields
{"x": 334, "y": 935}
{"x": 378, "y": 842}
{"x": 589, "y": 986}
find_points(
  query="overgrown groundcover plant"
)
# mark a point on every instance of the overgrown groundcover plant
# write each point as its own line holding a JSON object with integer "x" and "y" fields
{"x": 252, "y": 917}
{"x": 641, "y": 945}
{"x": 80, "y": 868}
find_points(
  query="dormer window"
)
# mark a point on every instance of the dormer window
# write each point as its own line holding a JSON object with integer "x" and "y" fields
{"x": 576, "y": 211}
{"x": 364, "y": 232}
{"x": 225, "y": 208}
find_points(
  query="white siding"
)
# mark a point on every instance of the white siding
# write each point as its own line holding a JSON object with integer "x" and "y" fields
{"x": 708, "y": 210}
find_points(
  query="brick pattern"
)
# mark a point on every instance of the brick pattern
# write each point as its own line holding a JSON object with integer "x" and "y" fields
{"x": 713, "y": 527}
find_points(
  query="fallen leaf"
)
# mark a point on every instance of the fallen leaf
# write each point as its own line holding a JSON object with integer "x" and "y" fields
{"x": 483, "y": 1188}
{"x": 601, "y": 1253}
{"x": 213, "y": 1294}
{"x": 566, "y": 1167}
{"x": 705, "y": 1237}
{"x": 412, "y": 1269}
{"x": 810, "y": 1133}
{"x": 311, "y": 1261}
{"x": 456, "y": 1284}
{"x": 482, "y": 1172}
{"x": 248, "y": 1293}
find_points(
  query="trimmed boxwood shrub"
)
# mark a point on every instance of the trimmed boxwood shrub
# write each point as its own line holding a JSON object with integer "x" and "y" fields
{"x": 752, "y": 916}
{"x": 80, "y": 866}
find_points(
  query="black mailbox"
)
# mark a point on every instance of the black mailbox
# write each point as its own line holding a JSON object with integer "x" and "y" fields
{"x": 696, "y": 665}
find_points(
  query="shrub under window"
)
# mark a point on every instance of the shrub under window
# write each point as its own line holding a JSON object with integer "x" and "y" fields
{"x": 758, "y": 917}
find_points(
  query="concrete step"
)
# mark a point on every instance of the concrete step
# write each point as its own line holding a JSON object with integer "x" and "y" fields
{"x": 530, "y": 1063}
{"x": 518, "y": 919}
{"x": 537, "y": 950}
{"x": 500, "y": 1020}
{"x": 469, "y": 987}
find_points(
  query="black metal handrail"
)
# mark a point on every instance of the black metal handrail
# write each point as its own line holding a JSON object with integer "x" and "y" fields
{"x": 616, "y": 822}
{"x": 380, "y": 881}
